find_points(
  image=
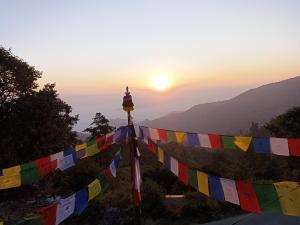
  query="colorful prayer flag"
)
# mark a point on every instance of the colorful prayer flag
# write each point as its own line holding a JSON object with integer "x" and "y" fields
{"x": 66, "y": 162}
{"x": 180, "y": 136}
{"x": 151, "y": 146}
{"x": 174, "y": 165}
{"x": 279, "y": 146}
{"x": 160, "y": 155}
{"x": 153, "y": 134}
{"x": 11, "y": 170}
{"x": 94, "y": 189}
{"x": 193, "y": 139}
{"x": 204, "y": 140}
{"x": 29, "y": 173}
{"x": 294, "y": 146}
{"x": 203, "y": 183}
{"x": 242, "y": 143}
{"x": 171, "y": 136}
{"x": 215, "y": 141}
{"x": 228, "y": 142}
{"x": 104, "y": 183}
{"x": 167, "y": 161}
{"x": 183, "y": 173}
{"x": 247, "y": 197}
{"x": 230, "y": 191}
{"x": 215, "y": 187}
{"x": 163, "y": 136}
{"x": 92, "y": 148}
{"x": 71, "y": 151}
{"x": 65, "y": 208}
{"x": 81, "y": 200}
{"x": 45, "y": 165}
{"x": 48, "y": 214}
{"x": 192, "y": 174}
{"x": 56, "y": 158}
{"x": 10, "y": 181}
{"x": 289, "y": 197}
{"x": 262, "y": 145}
{"x": 267, "y": 197}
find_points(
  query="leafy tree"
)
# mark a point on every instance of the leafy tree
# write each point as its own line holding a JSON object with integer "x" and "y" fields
{"x": 100, "y": 126}
{"x": 33, "y": 123}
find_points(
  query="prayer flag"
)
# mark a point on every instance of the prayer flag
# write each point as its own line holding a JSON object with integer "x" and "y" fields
{"x": 228, "y": 142}
{"x": 192, "y": 173}
{"x": 57, "y": 157}
{"x": 174, "y": 165}
{"x": 262, "y": 145}
{"x": 94, "y": 189}
{"x": 180, "y": 136}
{"x": 242, "y": 143}
{"x": 230, "y": 191}
{"x": 71, "y": 151}
{"x": 65, "y": 208}
{"x": 81, "y": 200}
{"x": 80, "y": 147}
{"x": 151, "y": 146}
{"x": 204, "y": 140}
{"x": 92, "y": 148}
{"x": 183, "y": 173}
{"x": 153, "y": 134}
{"x": 104, "y": 183}
{"x": 167, "y": 161}
{"x": 160, "y": 155}
{"x": 162, "y": 135}
{"x": 48, "y": 214}
{"x": 267, "y": 197}
{"x": 145, "y": 133}
{"x": 10, "y": 181}
{"x": 29, "y": 173}
{"x": 119, "y": 134}
{"x": 11, "y": 170}
{"x": 294, "y": 146}
{"x": 215, "y": 141}
{"x": 45, "y": 165}
{"x": 203, "y": 182}
{"x": 279, "y": 146}
{"x": 289, "y": 197}
{"x": 171, "y": 136}
{"x": 247, "y": 197}
{"x": 215, "y": 187}
{"x": 66, "y": 162}
{"x": 193, "y": 139}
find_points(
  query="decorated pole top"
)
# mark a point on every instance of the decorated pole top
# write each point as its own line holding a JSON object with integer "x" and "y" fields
{"x": 127, "y": 101}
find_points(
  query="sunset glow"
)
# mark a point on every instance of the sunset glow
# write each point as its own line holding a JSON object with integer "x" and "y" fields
{"x": 161, "y": 82}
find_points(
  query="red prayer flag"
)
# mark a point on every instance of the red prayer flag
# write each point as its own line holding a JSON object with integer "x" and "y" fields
{"x": 247, "y": 197}
{"x": 45, "y": 165}
{"x": 48, "y": 214}
{"x": 151, "y": 145}
{"x": 108, "y": 174}
{"x": 183, "y": 173}
{"x": 294, "y": 146}
{"x": 163, "y": 136}
{"x": 215, "y": 140}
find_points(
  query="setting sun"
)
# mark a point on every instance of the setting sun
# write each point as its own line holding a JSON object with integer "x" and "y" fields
{"x": 161, "y": 82}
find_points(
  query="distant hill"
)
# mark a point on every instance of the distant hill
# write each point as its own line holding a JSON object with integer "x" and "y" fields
{"x": 231, "y": 116}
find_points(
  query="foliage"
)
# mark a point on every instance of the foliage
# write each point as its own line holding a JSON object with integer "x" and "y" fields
{"x": 100, "y": 126}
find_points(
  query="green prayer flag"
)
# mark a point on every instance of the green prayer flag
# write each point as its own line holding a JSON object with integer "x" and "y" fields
{"x": 104, "y": 183}
{"x": 228, "y": 142}
{"x": 92, "y": 148}
{"x": 29, "y": 173}
{"x": 193, "y": 181}
{"x": 171, "y": 136}
{"x": 267, "y": 197}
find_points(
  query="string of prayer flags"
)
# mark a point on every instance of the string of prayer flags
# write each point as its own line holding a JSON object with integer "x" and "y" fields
{"x": 267, "y": 197}
{"x": 289, "y": 197}
{"x": 48, "y": 214}
{"x": 81, "y": 200}
{"x": 242, "y": 143}
{"x": 294, "y": 146}
{"x": 203, "y": 183}
{"x": 215, "y": 187}
{"x": 65, "y": 208}
{"x": 94, "y": 189}
{"x": 279, "y": 146}
{"x": 230, "y": 191}
{"x": 247, "y": 197}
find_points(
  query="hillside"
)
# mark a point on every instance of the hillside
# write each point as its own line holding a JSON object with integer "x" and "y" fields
{"x": 256, "y": 105}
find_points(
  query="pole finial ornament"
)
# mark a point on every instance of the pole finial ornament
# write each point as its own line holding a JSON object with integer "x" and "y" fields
{"x": 127, "y": 101}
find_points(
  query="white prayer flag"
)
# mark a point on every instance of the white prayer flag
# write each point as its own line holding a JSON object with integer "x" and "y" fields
{"x": 174, "y": 165}
{"x": 279, "y": 146}
{"x": 66, "y": 162}
{"x": 204, "y": 140}
{"x": 230, "y": 191}
{"x": 153, "y": 134}
{"x": 65, "y": 208}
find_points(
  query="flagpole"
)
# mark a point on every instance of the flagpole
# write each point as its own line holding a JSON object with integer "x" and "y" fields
{"x": 128, "y": 107}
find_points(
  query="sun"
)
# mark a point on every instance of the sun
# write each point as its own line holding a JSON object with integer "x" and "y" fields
{"x": 161, "y": 82}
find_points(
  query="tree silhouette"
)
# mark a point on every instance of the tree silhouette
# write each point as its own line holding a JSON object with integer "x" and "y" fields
{"x": 100, "y": 126}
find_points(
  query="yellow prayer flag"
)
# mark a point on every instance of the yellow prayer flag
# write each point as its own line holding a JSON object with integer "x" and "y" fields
{"x": 180, "y": 136}
{"x": 12, "y": 170}
{"x": 1, "y": 223}
{"x": 94, "y": 189}
{"x": 81, "y": 147}
{"x": 242, "y": 142}
{"x": 10, "y": 181}
{"x": 203, "y": 183}
{"x": 289, "y": 197}
{"x": 160, "y": 155}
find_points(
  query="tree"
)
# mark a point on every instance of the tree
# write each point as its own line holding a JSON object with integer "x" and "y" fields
{"x": 33, "y": 123}
{"x": 100, "y": 126}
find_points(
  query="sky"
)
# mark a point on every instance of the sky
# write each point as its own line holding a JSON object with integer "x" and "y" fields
{"x": 209, "y": 50}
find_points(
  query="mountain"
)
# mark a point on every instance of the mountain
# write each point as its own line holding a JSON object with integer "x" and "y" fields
{"x": 234, "y": 115}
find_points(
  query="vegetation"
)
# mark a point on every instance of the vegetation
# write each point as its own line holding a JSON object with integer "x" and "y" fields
{"x": 99, "y": 126}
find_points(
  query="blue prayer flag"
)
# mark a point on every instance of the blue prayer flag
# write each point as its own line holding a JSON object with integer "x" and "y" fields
{"x": 262, "y": 145}
{"x": 215, "y": 188}
{"x": 167, "y": 161}
{"x": 193, "y": 139}
{"x": 71, "y": 151}
{"x": 117, "y": 160}
{"x": 81, "y": 200}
